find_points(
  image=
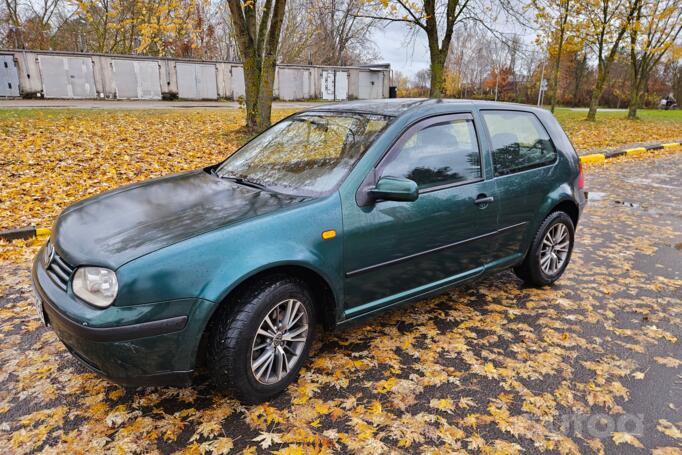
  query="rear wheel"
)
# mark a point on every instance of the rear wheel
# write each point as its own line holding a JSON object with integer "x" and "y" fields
{"x": 256, "y": 349}
{"x": 550, "y": 251}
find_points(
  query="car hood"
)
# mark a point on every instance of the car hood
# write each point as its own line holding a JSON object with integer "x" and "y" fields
{"x": 120, "y": 225}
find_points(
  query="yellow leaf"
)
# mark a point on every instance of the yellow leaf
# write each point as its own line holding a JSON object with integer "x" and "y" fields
{"x": 626, "y": 438}
{"x": 442, "y": 404}
{"x": 668, "y": 361}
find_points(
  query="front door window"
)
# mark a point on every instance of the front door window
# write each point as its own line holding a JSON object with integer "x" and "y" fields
{"x": 440, "y": 154}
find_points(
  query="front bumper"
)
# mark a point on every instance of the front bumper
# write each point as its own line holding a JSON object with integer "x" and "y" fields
{"x": 151, "y": 344}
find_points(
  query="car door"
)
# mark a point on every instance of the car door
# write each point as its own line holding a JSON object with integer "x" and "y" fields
{"x": 523, "y": 158}
{"x": 395, "y": 250}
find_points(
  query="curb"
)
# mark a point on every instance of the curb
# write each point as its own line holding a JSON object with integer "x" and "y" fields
{"x": 24, "y": 233}
{"x": 600, "y": 157}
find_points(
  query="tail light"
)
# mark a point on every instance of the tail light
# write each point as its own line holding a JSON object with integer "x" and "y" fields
{"x": 581, "y": 176}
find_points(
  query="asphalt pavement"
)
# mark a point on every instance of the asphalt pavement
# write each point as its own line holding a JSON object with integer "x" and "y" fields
{"x": 591, "y": 364}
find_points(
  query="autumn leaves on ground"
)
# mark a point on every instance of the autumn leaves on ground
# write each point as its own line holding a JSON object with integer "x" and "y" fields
{"x": 592, "y": 365}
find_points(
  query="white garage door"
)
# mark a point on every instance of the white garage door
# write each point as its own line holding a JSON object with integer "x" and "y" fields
{"x": 341, "y": 85}
{"x": 197, "y": 81}
{"x": 293, "y": 83}
{"x": 9, "y": 77}
{"x": 136, "y": 79}
{"x": 67, "y": 77}
{"x": 371, "y": 84}
{"x": 238, "y": 86}
{"x": 334, "y": 85}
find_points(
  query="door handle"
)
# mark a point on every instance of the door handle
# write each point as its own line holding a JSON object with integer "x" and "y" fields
{"x": 483, "y": 199}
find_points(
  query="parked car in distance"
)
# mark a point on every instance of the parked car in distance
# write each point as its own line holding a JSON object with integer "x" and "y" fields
{"x": 331, "y": 215}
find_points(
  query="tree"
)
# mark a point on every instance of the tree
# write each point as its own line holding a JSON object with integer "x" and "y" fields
{"x": 326, "y": 32}
{"x": 258, "y": 35}
{"x": 656, "y": 26}
{"x": 297, "y": 44}
{"x": 606, "y": 22}
{"x": 422, "y": 80}
{"x": 179, "y": 28}
{"x": 427, "y": 15}
{"x": 340, "y": 29}
{"x": 554, "y": 18}
{"x": 30, "y": 24}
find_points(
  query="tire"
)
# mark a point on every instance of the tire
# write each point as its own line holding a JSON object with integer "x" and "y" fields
{"x": 235, "y": 346}
{"x": 534, "y": 269}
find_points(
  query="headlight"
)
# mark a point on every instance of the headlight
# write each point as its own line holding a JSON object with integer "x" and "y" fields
{"x": 96, "y": 285}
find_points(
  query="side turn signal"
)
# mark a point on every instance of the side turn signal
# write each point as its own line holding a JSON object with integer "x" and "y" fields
{"x": 330, "y": 234}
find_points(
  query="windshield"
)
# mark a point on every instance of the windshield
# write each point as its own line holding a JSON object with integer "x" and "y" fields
{"x": 308, "y": 154}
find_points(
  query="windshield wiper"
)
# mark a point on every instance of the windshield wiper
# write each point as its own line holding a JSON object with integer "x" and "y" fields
{"x": 241, "y": 181}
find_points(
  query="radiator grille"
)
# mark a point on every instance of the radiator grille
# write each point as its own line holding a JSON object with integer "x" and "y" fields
{"x": 57, "y": 268}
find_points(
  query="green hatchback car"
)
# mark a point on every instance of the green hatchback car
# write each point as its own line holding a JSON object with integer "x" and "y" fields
{"x": 329, "y": 216}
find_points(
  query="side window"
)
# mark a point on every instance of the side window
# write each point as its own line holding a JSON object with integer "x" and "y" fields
{"x": 439, "y": 154}
{"x": 519, "y": 141}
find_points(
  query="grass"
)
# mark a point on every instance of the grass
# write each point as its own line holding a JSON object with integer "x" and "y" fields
{"x": 642, "y": 114}
{"x": 612, "y": 128}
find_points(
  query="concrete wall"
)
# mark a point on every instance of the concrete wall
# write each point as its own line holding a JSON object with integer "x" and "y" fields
{"x": 80, "y": 75}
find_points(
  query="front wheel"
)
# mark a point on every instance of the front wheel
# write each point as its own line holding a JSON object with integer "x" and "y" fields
{"x": 256, "y": 349}
{"x": 550, "y": 251}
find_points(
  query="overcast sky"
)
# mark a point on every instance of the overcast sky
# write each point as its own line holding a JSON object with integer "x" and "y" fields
{"x": 407, "y": 50}
{"x": 397, "y": 47}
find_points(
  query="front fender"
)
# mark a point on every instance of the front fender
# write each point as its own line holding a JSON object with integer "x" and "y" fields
{"x": 294, "y": 256}
{"x": 209, "y": 266}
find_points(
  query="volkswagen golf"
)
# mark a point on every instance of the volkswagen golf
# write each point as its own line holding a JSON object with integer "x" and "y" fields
{"x": 330, "y": 216}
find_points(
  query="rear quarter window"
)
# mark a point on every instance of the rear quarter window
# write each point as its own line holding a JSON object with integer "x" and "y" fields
{"x": 519, "y": 141}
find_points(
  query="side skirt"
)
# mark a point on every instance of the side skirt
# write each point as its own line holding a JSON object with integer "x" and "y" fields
{"x": 369, "y": 309}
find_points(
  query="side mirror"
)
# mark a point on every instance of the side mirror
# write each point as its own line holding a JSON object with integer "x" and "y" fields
{"x": 395, "y": 189}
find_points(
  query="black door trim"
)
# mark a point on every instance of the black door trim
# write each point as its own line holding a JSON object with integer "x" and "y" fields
{"x": 432, "y": 250}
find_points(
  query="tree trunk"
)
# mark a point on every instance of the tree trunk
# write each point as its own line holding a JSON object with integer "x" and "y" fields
{"x": 437, "y": 75}
{"x": 555, "y": 73}
{"x": 251, "y": 93}
{"x": 557, "y": 62}
{"x": 258, "y": 43}
{"x": 602, "y": 74}
{"x": 267, "y": 84}
{"x": 634, "y": 98}
{"x": 578, "y": 76}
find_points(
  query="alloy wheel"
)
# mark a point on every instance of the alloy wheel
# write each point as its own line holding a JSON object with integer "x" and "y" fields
{"x": 279, "y": 341}
{"x": 554, "y": 249}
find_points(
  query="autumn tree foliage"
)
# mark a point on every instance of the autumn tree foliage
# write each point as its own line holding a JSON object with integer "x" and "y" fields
{"x": 605, "y": 23}
{"x": 179, "y": 28}
{"x": 557, "y": 22}
{"x": 25, "y": 21}
{"x": 150, "y": 27}
{"x": 655, "y": 29}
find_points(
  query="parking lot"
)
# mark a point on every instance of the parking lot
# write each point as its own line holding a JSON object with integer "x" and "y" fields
{"x": 592, "y": 364}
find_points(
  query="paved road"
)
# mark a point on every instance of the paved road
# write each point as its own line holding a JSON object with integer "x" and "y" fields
{"x": 121, "y": 104}
{"x": 592, "y": 363}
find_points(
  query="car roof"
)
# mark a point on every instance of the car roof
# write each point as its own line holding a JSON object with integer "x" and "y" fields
{"x": 395, "y": 107}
